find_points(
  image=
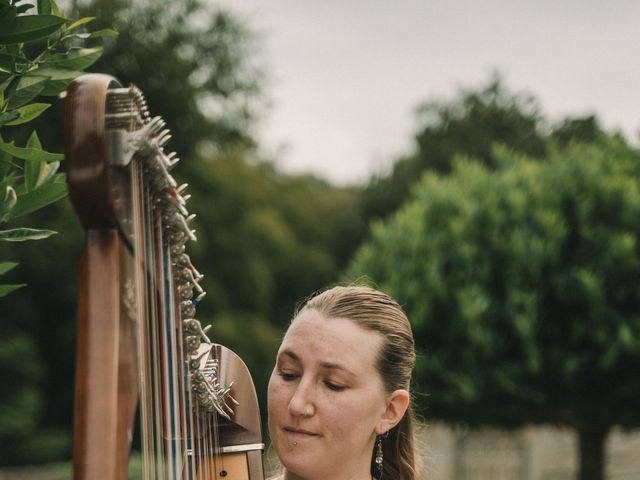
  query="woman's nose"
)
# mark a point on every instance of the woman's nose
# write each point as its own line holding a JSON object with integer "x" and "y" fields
{"x": 302, "y": 402}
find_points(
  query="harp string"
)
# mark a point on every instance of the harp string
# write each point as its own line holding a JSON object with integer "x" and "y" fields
{"x": 180, "y": 435}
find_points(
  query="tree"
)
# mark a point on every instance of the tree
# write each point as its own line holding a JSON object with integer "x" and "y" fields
{"x": 39, "y": 56}
{"x": 265, "y": 238}
{"x": 470, "y": 124}
{"x": 40, "y": 53}
{"x": 196, "y": 63}
{"x": 522, "y": 288}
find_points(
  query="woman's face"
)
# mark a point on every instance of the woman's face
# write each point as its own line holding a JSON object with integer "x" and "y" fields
{"x": 326, "y": 399}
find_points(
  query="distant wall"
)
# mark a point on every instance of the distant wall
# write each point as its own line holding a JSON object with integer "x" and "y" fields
{"x": 532, "y": 453}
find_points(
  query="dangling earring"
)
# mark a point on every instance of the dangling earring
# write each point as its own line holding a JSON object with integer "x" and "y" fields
{"x": 379, "y": 458}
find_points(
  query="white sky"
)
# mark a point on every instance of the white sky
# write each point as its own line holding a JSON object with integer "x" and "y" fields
{"x": 346, "y": 76}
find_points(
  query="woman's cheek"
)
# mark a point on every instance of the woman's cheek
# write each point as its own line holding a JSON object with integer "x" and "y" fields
{"x": 275, "y": 394}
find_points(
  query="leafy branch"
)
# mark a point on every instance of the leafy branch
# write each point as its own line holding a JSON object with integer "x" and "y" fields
{"x": 41, "y": 52}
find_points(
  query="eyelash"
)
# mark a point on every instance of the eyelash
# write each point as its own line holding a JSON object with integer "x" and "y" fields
{"x": 287, "y": 376}
{"x": 334, "y": 386}
{"x": 290, "y": 377}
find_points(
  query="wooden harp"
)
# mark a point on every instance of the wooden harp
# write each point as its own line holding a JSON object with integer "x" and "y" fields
{"x": 139, "y": 345}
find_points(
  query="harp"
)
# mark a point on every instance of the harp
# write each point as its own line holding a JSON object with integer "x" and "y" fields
{"x": 139, "y": 344}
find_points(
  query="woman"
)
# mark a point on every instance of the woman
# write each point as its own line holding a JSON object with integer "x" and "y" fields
{"x": 339, "y": 403}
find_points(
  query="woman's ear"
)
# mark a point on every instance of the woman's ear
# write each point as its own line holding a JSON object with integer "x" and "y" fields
{"x": 397, "y": 404}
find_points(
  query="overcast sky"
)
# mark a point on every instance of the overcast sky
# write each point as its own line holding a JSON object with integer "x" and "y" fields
{"x": 346, "y": 76}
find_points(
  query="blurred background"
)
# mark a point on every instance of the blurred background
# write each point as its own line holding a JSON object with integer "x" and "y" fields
{"x": 478, "y": 162}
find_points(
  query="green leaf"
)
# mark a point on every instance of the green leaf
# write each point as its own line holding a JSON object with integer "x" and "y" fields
{"x": 15, "y": 50}
{"x": 58, "y": 73}
{"x": 30, "y": 79}
{"x": 54, "y": 8}
{"x": 82, "y": 36}
{"x": 105, "y": 32}
{"x": 30, "y": 27}
{"x": 28, "y": 87}
{"x": 80, "y": 22}
{"x": 28, "y": 113}
{"x": 76, "y": 58}
{"x": 5, "y": 164}
{"x": 8, "y": 204}
{"x": 24, "y": 234}
{"x": 24, "y": 7}
{"x": 35, "y": 200}
{"x": 48, "y": 172}
{"x": 7, "y": 289}
{"x": 7, "y": 16}
{"x": 59, "y": 78}
{"x": 5, "y": 83}
{"x": 34, "y": 168}
{"x": 3, "y": 86}
{"x": 34, "y": 141}
{"x": 44, "y": 7}
{"x": 7, "y": 62}
{"x": 6, "y": 266}
{"x": 30, "y": 153}
{"x": 7, "y": 117}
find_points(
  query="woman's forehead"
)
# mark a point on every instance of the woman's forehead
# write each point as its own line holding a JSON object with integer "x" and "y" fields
{"x": 312, "y": 334}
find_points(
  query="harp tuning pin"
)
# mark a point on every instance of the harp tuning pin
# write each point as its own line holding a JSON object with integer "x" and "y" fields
{"x": 192, "y": 268}
{"x": 171, "y": 161}
{"x": 199, "y": 298}
{"x": 180, "y": 199}
{"x": 154, "y": 126}
{"x": 182, "y": 223}
{"x": 163, "y": 137}
{"x": 171, "y": 181}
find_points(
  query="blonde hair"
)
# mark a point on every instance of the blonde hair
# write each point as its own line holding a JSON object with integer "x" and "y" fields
{"x": 376, "y": 311}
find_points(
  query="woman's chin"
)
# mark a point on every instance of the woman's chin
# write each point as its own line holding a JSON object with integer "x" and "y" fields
{"x": 300, "y": 465}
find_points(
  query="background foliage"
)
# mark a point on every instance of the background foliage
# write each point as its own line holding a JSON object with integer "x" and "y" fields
{"x": 40, "y": 53}
{"x": 265, "y": 238}
{"x": 515, "y": 255}
{"x": 522, "y": 287}
{"x": 39, "y": 56}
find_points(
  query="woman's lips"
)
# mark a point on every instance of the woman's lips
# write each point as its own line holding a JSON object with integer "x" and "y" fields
{"x": 299, "y": 432}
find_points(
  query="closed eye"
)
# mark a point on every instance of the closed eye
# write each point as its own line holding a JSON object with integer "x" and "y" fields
{"x": 288, "y": 376}
{"x": 334, "y": 386}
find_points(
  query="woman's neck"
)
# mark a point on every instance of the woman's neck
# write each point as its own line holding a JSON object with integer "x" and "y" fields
{"x": 292, "y": 476}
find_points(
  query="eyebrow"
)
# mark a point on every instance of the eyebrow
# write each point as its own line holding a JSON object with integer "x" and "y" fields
{"x": 327, "y": 365}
